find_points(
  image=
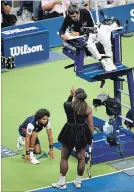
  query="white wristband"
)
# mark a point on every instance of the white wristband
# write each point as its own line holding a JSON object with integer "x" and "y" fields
{"x": 90, "y": 149}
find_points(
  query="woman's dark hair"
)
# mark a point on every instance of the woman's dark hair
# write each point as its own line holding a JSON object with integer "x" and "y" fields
{"x": 72, "y": 9}
{"x": 41, "y": 113}
{"x": 79, "y": 104}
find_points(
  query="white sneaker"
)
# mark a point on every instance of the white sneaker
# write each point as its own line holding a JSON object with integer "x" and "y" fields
{"x": 20, "y": 142}
{"x": 105, "y": 65}
{"x": 34, "y": 161}
{"x": 77, "y": 184}
{"x": 59, "y": 185}
{"x": 111, "y": 64}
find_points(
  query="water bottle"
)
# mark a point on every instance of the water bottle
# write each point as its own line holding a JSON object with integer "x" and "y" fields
{"x": 106, "y": 17}
{"x": 107, "y": 130}
{"x": 26, "y": 15}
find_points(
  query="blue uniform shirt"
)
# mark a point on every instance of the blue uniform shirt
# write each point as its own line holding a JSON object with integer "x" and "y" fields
{"x": 30, "y": 124}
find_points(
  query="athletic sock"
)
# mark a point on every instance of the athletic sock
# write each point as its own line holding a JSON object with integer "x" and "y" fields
{"x": 78, "y": 179}
{"x": 31, "y": 153}
{"x": 62, "y": 179}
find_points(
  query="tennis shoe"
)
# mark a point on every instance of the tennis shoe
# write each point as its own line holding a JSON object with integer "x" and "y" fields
{"x": 59, "y": 185}
{"x": 78, "y": 184}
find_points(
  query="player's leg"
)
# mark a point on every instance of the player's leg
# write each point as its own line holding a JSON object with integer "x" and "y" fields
{"x": 21, "y": 138}
{"x": 33, "y": 139}
{"x": 37, "y": 147}
{"x": 65, "y": 153}
{"x": 80, "y": 167}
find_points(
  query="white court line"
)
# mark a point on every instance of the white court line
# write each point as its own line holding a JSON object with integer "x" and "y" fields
{"x": 87, "y": 178}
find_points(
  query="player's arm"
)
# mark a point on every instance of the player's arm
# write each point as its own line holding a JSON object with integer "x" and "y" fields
{"x": 63, "y": 29}
{"x": 50, "y": 139}
{"x": 90, "y": 121}
{"x": 6, "y": 7}
{"x": 67, "y": 103}
{"x": 30, "y": 128}
{"x": 70, "y": 98}
{"x": 90, "y": 22}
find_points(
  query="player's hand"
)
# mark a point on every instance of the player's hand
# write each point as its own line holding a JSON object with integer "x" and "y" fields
{"x": 51, "y": 154}
{"x": 75, "y": 33}
{"x": 27, "y": 158}
{"x": 6, "y": 8}
{"x": 64, "y": 37}
{"x": 72, "y": 91}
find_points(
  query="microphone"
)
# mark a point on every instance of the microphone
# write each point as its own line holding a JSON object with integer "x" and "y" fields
{"x": 103, "y": 15}
{"x": 127, "y": 22}
{"x": 126, "y": 32}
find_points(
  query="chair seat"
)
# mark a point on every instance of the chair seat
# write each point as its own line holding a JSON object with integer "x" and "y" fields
{"x": 91, "y": 70}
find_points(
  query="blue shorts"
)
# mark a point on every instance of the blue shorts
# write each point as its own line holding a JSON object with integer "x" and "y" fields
{"x": 22, "y": 132}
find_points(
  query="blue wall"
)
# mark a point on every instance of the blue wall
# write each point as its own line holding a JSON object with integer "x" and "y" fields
{"x": 53, "y": 25}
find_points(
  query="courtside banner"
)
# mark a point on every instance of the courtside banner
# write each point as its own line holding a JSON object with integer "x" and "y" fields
{"x": 28, "y": 43}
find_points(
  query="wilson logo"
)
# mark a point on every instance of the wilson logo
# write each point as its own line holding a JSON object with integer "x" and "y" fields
{"x": 23, "y": 50}
{"x": 9, "y": 32}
